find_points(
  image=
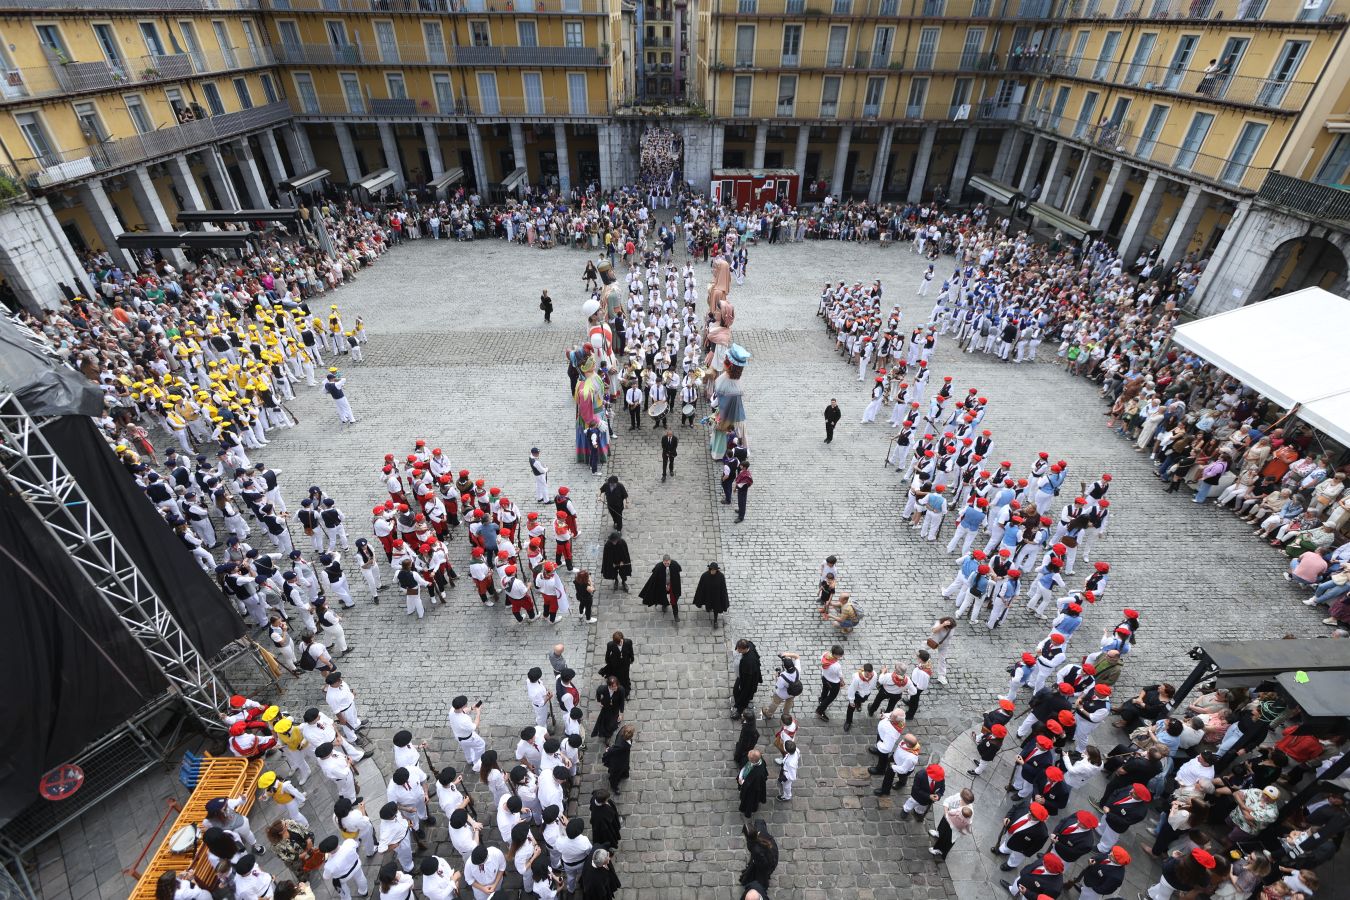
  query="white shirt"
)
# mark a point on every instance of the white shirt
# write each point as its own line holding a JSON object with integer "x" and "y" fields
{"x": 439, "y": 885}
{"x": 1194, "y": 770}
{"x": 887, "y": 736}
{"x": 461, "y": 725}
{"x": 537, "y": 692}
{"x": 550, "y": 790}
{"x": 573, "y": 850}
{"x": 833, "y": 673}
{"x": 918, "y": 679}
{"x": 781, "y": 682}
{"x": 487, "y": 873}
{"x": 341, "y": 860}
{"x": 860, "y": 688}
{"x": 791, "y": 761}
{"x": 393, "y": 832}
{"x": 463, "y": 840}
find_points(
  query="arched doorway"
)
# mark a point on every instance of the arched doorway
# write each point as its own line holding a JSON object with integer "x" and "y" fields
{"x": 1301, "y": 262}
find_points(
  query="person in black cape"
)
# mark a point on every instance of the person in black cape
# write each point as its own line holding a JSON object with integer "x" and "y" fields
{"x": 753, "y": 779}
{"x": 763, "y": 851}
{"x": 663, "y": 586}
{"x": 598, "y": 879}
{"x": 711, "y": 593}
{"x": 749, "y": 739}
{"x": 619, "y": 660}
{"x": 611, "y": 697}
{"x": 748, "y": 678}
{"x": 615, "y": 564}
{"x": 606, "y": 827}
{"x": 616, "y": 757}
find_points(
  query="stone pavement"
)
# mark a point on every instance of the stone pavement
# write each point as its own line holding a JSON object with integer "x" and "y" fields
{"x": 460, "y": 356}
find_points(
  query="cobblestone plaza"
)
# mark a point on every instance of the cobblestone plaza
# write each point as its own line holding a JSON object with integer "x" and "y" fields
{"x": 459, "y": 355}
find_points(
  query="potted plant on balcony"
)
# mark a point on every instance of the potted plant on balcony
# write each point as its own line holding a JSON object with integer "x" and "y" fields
{"x": 149, "y": 72}
{"x": 10, "y": 189}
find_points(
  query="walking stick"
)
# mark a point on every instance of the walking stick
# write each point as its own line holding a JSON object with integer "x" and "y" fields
{"x": 999, "y": 840}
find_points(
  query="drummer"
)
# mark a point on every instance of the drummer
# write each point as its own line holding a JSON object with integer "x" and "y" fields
{"x": 689, "y": 402}
{"x": 658, "y": 403}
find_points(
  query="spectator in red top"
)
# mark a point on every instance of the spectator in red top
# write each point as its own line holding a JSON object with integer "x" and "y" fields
{"x": 1299, "y": 745}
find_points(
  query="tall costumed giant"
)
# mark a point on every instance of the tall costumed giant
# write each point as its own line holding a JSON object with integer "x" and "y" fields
{"x": 728, "y": 404}
{"x": 721, "y": 315}
{"x": 594, "y": 362}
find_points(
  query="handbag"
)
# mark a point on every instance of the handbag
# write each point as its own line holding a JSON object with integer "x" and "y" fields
{"x": 1069, "y": 541}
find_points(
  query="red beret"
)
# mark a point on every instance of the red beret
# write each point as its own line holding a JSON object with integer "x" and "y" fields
{"x": 1043, "y": 741}
{"x": 1053, "y": 864}
{"x": 1103, "y": 690}
{"x": 1038, "y": 811}
{"x": 935, "y": 772}
{"x": 1203, "y": 857}
{"x": 999, "y": 731}
{"x": 1121, "y": 856}
{"x": 1056, "y": 638}
{"x": 1086, "y": 818}
{"x": 1065, "y": 687}
{"x": 1142, "y": 792}
{"x": 1005, "y": 704}
{"x": 1028, "y": 658}
{"x": 1054, "y": 727}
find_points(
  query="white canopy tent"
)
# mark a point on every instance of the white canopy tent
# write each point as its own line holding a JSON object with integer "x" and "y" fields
{"x": 1292, "y": 349}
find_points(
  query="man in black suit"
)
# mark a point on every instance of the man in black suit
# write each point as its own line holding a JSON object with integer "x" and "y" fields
{"x": 832, "y": 416}
{"x": 670, "y": 445}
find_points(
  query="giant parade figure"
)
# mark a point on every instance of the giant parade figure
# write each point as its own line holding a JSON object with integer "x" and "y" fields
{"x": 594, "y": 362}
{"x": 726, "y": 360}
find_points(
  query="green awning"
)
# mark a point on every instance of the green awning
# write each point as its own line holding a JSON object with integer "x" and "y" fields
{"x": 1074, "y": 228}
{"x": 994, "y": 190}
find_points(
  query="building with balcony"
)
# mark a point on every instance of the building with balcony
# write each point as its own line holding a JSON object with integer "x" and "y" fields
{"x": 116, "y": 115}
{"x": 1216, "y": 128}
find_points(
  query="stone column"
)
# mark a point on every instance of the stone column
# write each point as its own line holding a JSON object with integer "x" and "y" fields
{"x": 564, "y": 161}
{"x": 1110, "y": 196}
{"x": 348, "y": 150}
{"x": 518, "y": 145}
{"x": 799, "y": 158}
{"x": 1058, "y": 160}
{"x": 919, "y": 177}
{"x": 67, "y": 262}
{"x": 219, "y": 176}
{"x": 36, "y": 259}
{"x": 1032, "y": 168}
{"x": 606, "y": 154}
{"x": 1141, "y": 219}
{"x": 1188, "y": 217}
{"x": 1237, "y": 264}
{"x": 719, "y": 141}
{"x": 481, "y": 176}
{"x": 253, "y": 180}
{"x": 104, "y": 218}
{"x": 297, "y": 145}
{"x": 761, "y": 143}
{"x": 432, "y": 135}
{"x": 1082, "y": 180}
{"x": 276, "y": 167}
{"x": 881, "y": 164}
{"x": 962, "y": 170}
{"x": 389, "y": 143}
{"x": 840, "y": 162}
{"x": 151, "y": 207}
{"x": 185, "y": 183}
{"x": 1009, "y": 148}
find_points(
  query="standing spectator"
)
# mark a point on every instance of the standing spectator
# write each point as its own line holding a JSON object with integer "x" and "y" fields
{"x": 748, "y": 677}
{"x": 546, "y": 304}
{"x": 615, "y": 563}
{"x": 749, "y": 738}
{"x": 753, "y": 780}
{"x": 763, "y": 850}
{"x": 619, "y": 660}
{"x": 615, "y": 496}
{"x": 616, "y": 757}
{"x": 832, "y": 415}
{"x": 585, "y": 595}
{"x": 742, "y": 483}
{"x": 711, "y": 592}
{"x": 958, "y": 817}
{"x": 663, "y": 587}
{"x": 611, "y": 697}
{"x": 670, "y": 447}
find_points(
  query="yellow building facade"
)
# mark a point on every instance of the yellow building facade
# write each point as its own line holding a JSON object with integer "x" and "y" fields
{"x": 1201, "y": 128}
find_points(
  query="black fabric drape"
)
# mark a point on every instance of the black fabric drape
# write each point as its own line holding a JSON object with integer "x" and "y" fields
{"x": 72, "y": 672}
{"x": 196, "y": 603}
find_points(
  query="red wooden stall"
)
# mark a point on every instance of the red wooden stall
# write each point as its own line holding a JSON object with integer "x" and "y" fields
{"x": 755, "y": 187}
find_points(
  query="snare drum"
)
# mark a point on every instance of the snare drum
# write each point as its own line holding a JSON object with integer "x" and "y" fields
{"x": 658, "y": 409}
{"x": 687, "y": 409}
{"x": 184, "y": 840}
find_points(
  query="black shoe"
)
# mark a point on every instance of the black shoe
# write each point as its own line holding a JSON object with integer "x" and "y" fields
{"x": 821, "y": 716}
{"x": 880, "y": 793}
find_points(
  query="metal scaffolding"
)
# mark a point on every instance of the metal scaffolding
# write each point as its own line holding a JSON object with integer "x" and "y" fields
{"x": 51, "y": 491}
